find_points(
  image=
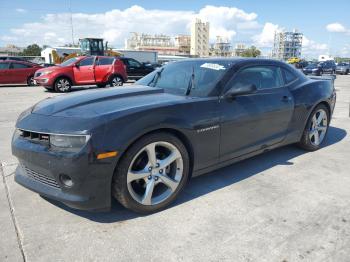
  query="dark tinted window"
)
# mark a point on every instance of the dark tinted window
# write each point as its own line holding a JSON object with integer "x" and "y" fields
{"x": 87, "y": 61}
{"x": 133, "y": 63}
{"x": 263, "y": 77}
{"x": 4, "y": 66}
{"x": 105, "y": 60}
{"x": 176, "y": 77}
{"x": 19, "y": 66}
{"x": 289, "y": 76}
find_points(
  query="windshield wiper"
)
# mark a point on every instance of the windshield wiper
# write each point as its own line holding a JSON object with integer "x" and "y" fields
{"x": 156, "y": 77}
{"x": 190, "y": 83}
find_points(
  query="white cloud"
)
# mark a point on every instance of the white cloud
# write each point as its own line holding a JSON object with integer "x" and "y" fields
{"x": 312, "y": 48}
{"x": 336, "y": 28}
{"x": 21, "y": 10}
{"x": 267, "y": 35}
{"x": 115, "y": 25}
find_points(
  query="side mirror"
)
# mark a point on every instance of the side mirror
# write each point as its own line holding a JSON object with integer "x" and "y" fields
{"x": 242, "y": 90}
{"x": 77, "y": 65}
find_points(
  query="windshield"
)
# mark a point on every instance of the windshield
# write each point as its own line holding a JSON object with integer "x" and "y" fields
{"x": 69, "y": 62}
{"x": 197, "y": 78}
{"x": 311, "y": 66}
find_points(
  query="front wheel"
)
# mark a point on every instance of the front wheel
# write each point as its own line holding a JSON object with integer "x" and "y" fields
{"x": 30, "y": 81}
{"x": 63, "y": 85}
{"x": 152, "y": 173}
{"x": 116, "y": 81}
{"x": 316, "y": 129}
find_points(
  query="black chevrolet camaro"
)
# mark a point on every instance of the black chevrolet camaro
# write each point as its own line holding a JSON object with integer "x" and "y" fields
{"x": 141, "y": 144}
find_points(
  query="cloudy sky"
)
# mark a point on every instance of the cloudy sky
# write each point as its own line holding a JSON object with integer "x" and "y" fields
{"x": 326, "y": 28}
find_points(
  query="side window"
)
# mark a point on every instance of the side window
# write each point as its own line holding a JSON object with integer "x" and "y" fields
{"x": 263, "y": 77}
{"x": 4, "y": 66}
{"x": 87, "y": 61}
{"x": 134, "y": 63}
{"x": 288, "y": 76}
{"x": 105, "y": 60}
{"x": 19, "y": 66}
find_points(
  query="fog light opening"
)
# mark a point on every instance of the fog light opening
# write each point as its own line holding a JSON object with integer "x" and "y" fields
{"x": 66, "y": 180}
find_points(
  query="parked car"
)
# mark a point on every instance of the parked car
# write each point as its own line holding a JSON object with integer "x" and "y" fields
{"x": 17, "y": 72}
{"x": 328, "y": 67}
{"x": 142, "y": 143}
{"x": 320, "y": 68}
{"x": 83, "y": 70}
{"x": 312, "y": 69}
{"x": 343, "y": 68}
{"x": 13, "y": 58}
{"x": 135, "y": 69}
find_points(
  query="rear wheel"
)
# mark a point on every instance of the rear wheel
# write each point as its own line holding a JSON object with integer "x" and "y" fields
{"x": 152, "y": 173}
{"x": 116, "y": 81}
{"x": 63, "y": 85}
{"x": 30, "y": 81}
{"x": 316, "y": 129}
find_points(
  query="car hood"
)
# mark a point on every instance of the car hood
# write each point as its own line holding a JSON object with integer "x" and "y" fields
{"x": 95, "y": 103}
{"x": 50, "y": 68}
{"x": 342, "y": 67}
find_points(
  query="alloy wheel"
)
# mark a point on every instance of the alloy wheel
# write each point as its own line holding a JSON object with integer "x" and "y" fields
{"x": 155, "y": 173}
{"x": 63, "y": 85}
{"x": 116, "y": 81}
{"x": 318, "y": 128}
{"x": 31, "y": 81}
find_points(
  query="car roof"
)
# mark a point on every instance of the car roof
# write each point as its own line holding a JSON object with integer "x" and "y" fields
{"x": 236, "y": 60}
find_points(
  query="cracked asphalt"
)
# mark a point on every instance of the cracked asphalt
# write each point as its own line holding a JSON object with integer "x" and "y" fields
{"x": 284, "y": 205}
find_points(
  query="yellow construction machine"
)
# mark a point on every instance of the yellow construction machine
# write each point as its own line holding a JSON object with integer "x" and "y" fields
{"x": 88, "y": 46}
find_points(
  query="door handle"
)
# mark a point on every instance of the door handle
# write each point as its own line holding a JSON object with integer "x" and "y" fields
{"x": 286, "y": 99}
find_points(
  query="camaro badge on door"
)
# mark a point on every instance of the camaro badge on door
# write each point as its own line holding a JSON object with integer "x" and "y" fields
{"x": 207, "y": 129}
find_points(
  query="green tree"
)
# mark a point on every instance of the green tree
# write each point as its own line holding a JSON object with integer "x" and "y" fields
{"x": 251, "y": 52}
{"x": 32, "y": 50}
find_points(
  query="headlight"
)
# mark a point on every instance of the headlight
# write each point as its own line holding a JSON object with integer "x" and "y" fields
{"x": 46, "y": 73}
{"x": 68, "y": 141}
{"x": 16, "y": 134}
{"x": 314, "y": 69}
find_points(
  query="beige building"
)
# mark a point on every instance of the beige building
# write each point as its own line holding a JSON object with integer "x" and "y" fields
{"x": 221, "y": 48}
{"x": 163, "y": 44}
{"x": 183, "y": 43}
{"x": 200, "y": 38}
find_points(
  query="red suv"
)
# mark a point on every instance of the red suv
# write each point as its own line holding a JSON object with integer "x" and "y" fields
{"x": 83, "y": 70}
{"x": 17, "y": 72}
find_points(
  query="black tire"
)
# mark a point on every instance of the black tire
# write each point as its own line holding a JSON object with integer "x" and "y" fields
{"x": 116, "y": 80}
{"x": 30, "y": 81}
{"x": 120, "y": 187}
{"x": 305, "y": 141}
{"x": 63, "y": 85}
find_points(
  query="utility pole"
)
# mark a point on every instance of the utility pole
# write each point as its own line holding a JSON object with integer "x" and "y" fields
{"x": 71, "y": 19}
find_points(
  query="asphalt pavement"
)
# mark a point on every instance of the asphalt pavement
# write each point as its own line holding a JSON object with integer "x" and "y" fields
{"x": 284, "y": 205}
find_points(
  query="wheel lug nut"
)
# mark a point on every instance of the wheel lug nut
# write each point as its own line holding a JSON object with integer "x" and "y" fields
{"x": 156, "y": 178}
{"x": 157, "y": 165}
{"x": 150, "y": 168}
{"x": 149, "y": 177}
{"x": 161, "y": 171}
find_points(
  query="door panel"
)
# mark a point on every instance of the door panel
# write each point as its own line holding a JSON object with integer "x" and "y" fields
{"x": 4, "y": 73}
{"x": 255, "y": 121}
{"x": 84, "y": 73}
{"x": 19, "y": 73}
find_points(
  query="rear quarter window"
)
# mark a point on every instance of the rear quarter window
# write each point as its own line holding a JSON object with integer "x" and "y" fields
{"x": 4, "y": 66}
{"x": 19, "y": 66}
{"x": 288, "y": 76}
{"x": 105, "y": 61}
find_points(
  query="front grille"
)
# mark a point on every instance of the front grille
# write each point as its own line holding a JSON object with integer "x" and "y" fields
{"x": 34, "y": 136}
{"x": 41, "y": 178}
